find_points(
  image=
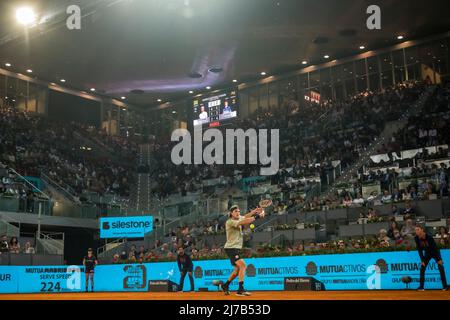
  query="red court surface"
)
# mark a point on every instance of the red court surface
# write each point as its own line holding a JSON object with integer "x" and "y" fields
{"x": 258, "y": 295}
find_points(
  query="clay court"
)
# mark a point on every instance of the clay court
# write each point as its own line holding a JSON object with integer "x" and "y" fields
{"x": 261, "y": 295}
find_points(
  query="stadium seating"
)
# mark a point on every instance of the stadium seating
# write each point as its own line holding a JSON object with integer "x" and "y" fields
{"x": 318, "y": 144}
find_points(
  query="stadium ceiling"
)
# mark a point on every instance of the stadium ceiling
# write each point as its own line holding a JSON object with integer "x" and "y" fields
{"x": 147, "y": 50}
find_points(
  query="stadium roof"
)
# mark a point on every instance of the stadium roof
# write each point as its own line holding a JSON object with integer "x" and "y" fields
{"x": 162, "y": 49}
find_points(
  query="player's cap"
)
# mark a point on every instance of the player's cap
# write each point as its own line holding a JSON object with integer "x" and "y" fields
{"x": 232, "y": 208}
{"x": 90, "y": 249}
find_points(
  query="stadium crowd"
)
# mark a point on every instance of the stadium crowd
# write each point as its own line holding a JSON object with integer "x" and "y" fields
{"x": 311, "y": 138}
{"x": 31, "y": 144}
{"x": 13, "y": 246}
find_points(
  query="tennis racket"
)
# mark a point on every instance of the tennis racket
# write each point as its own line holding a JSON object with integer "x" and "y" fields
{"x": 265, "y": 203}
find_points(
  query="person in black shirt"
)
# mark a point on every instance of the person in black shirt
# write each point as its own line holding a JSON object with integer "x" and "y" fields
{"x": 4, "y": 245}
{"x": 425, "y": 243}
{"x": 408, "y": 211}
{"x": 185, "y": 265}
{"x": 89, "y": 263}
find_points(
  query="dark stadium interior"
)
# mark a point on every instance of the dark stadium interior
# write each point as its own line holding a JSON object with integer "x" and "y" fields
{"x": 130, "y": 45}
{"x": 87, "y": 120}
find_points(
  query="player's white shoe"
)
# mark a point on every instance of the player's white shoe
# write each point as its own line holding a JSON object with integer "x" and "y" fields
{"x": 243, "y": 293}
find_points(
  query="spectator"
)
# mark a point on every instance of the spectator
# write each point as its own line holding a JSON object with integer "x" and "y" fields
{"x": 372, "y": 215}
{"x": 188, "y": 243}
{"x": 406, "y": 196}
{"x": 171, "y": 233}
{"x": 386, "y": 198}
{"x": 359, "y": 200}
{"x": 123, "y": 256}
{"x": 28, "y": 249}
{"x": 347, "y": 202}
{"x": 164, "y": 249}
{"x": 297, "y": 224}
{"x": 4, "y": 245}
{"x": 195, "y": 231}
{"x": 443, "y": 236}
{"x": 413, "y": 194}
{"x": 383, "y": 237}
{"x": 133, "y": 251}
{"x": 14, "y": 245}
{"x": 142, "y": 251}
{"x": 408, "y": 230}
{"x": 394, "y": 231}
{"x": 394, "y": 210}
{"x": 372, "y": 197}
{"x": 408, "y": 211}
{"x": 216, "y": 226}
{"x": 132, "y": 256}
{"x": 396, "y": 195}
{"x": 443, "y": 180}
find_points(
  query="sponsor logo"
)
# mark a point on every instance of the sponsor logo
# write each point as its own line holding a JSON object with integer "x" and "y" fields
{"x": 382, "y": 264}
{"x": 136, "y": 277}
{"x": 342, "y": 268}
{"x": 129, "y": 224}
{"x": 311, "y": 269}
{"x": 198, "y": 272}
{"x": 251, "y": 270}
{"x": 278, "y": 271}
{"x": 126, "y": 226}
{"x": 47, "y": 270}
{"x": 406, "y": 266}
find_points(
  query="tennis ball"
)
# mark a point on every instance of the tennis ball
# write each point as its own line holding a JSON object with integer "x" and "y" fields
{"x": 252, "y": 226}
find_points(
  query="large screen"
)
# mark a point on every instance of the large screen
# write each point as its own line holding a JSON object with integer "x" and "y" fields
{"x": 215, "y": 110}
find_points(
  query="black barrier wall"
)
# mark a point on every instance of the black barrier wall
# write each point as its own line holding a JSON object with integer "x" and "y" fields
{"x": 22, "y": 259}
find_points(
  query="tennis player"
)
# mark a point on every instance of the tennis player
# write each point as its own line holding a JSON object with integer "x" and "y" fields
{"x": 89, "y": 263}
{"x": 233, "y": 246}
